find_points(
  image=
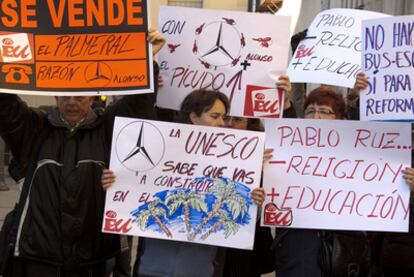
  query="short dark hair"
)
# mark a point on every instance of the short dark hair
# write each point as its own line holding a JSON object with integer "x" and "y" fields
{"x": 199, "y": 101}
{"x": 325, "y": 95}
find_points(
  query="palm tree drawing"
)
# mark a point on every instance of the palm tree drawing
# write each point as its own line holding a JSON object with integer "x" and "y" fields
{"x": 155, "y": 212}
{"x": 187, "y": 200}
{"x": 229, "y": 224}
{"x": 224, "y": 190}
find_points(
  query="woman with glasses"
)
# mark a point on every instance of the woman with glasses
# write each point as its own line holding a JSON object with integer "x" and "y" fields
{"x": 324, "y": 103}
{"x": 297, "y": 249}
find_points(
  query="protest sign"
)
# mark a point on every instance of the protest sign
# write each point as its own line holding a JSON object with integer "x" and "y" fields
{"x": 74, "y": 47}
{"x": 388, "y": 61}
{"x": 331, "y": 51}
{"x": 184, "y": 182}
{"x": 239, "y": 54}
{"x": 335, "y": 174}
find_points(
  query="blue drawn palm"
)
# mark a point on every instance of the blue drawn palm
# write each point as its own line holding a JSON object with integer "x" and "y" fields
{"x": 225, "y": 191}
{"x": 154, "y": 211}
{"x": 229, "y": 224}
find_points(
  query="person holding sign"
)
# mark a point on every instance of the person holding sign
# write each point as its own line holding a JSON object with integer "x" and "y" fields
{"x": 206, "y": 108}
{"x": 201, "y": 107}
{"x": 59, "y": 216}
{"x": 297, "y": 249}
{"x": 361, "y": 83}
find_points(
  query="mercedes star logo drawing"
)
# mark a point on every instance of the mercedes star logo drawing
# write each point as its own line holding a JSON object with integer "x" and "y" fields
{"x": 140, "y": 146}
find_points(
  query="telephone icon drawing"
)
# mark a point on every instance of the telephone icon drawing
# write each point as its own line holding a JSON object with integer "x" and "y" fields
{"x": 17, "y": 73}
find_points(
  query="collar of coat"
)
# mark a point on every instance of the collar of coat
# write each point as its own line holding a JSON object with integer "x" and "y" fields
{"x": 89, "y": 121}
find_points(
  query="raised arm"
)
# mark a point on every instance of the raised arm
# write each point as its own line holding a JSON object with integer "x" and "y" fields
{"x": 138, "y": 105}
{"x": 19, "y": 125}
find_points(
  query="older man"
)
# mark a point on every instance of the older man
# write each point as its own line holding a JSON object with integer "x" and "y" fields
{"x": 62, "y": 155}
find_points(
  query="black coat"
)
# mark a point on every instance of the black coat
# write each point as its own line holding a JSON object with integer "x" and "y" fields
{"x": 62, "y": 217}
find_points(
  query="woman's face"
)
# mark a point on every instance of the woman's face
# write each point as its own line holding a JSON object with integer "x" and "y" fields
{"x": 213, "y": 117}
{"x": 236, "y": 122}
{"x": 315, "y": 111}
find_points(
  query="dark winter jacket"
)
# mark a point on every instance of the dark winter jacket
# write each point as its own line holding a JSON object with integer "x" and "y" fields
{"x": 62, "y": 216}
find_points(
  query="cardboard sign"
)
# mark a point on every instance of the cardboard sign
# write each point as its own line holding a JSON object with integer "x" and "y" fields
{"x": 239, "y": 54}
{"x": 74, "y": 47}
{"x": 388, "y": 61}
{"x": 184, "y": 182}
{"x": 337, "y": 174}
{"x": 331, "y": 52}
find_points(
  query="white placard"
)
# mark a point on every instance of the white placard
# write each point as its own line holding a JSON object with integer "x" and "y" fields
{"x": 337, "y": 174}
{"x": 184, "y": 182}
{"x": 331, "y": 52}
{"x": 388, "y": 61}
{"x": 239, "y": 54}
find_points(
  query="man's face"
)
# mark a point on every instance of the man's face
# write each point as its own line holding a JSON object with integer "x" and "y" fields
{"x": 73, "y": 108}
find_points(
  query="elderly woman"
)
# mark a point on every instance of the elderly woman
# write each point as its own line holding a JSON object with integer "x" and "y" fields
{"x": 297, "y": 249}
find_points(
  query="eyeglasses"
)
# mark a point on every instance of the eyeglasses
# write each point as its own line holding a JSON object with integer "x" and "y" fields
{"x": 235, "y": 119}
{"x": 311, "y": 112}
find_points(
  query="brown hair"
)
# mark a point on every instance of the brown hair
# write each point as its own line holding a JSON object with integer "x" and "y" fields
{"x": 254, "y": 124}
{"x": 325, "y": 95}
{"x": 200, "y": 101}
